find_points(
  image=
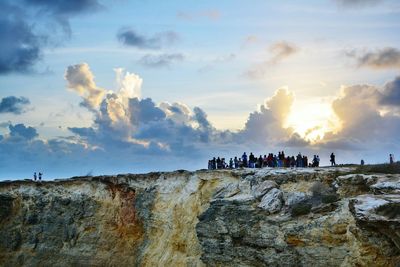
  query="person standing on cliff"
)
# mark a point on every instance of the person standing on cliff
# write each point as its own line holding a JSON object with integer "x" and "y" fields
{"x": 34, "y": 176}
{"x": 244, "y": 159}
{"x": 333, "y": 162}
{"x": 391, "y": 160}
{"x": 40, "y": 176}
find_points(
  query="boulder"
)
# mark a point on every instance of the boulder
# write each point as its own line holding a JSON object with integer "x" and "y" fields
{"x": 261, "y": 189}
{"x": 227, "y": 191}
{"x": 292, "y": 198}
{"x": 378, "y": 213}
{"x": 272, "y": 201}
{"x": 387, "y": 186}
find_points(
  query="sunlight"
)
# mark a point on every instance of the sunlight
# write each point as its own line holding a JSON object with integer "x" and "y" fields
{"x": 312, "y": 119}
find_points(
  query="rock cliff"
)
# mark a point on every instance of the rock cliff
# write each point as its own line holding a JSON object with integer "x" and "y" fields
{"x": 267, "y": 217}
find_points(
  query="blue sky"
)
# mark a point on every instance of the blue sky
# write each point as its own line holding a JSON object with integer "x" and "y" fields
{"x": 229, "y": 58}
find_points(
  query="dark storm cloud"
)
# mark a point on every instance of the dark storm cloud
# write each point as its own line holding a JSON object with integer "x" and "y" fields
{"x": 163, "y": 60}
{"x": 391, "y": 93}
{"x": 12, "y": 104}
{"x": 21, "y": 43}
{"x": 20, "y": 47}
{"x": 386, "y": 58}
{"x": 130, "y": 37}
{"x": 22, "y": 131}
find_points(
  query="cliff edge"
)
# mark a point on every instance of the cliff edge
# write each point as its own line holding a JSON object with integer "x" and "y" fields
{"x": 248, "y": 217}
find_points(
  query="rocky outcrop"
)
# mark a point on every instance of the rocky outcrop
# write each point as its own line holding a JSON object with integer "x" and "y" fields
{"x": 267, "y": 217}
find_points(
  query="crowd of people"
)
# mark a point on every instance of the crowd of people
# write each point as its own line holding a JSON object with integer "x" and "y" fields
{"x": 273, "y": 161}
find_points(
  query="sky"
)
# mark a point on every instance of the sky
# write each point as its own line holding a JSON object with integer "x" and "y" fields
{"x": 104, "y": 87}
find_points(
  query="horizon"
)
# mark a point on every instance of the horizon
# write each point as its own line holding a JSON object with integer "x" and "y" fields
{"x": 138, "y": 86}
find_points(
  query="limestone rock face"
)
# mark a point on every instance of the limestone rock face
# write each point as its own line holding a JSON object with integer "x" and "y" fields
{"x": 261, "y": 189}
{"x": 248, "y": 217}
{"x": 272, "y": 201}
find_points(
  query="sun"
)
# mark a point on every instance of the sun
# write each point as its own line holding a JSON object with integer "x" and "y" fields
{"x": 312, "y": 120}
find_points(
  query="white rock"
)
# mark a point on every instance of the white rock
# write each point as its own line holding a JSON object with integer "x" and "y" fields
{"x": 370, "y": 208}
{"x": 387, "y": 185}
{"x": 272, "y": 201}
{"x": 260, "y": 190}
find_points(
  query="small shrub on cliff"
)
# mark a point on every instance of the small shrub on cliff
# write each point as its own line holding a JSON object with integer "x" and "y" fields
{"x": 301, "y": 209}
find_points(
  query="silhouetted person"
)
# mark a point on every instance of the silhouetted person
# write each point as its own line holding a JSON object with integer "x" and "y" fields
{"x": 34, "y": 176}
{"x": 231, "y": 163}
{"x": 362, "y": 162}
{"x": 244, "y": 159}
{"x": 314, "y": 162}
{"x": 305, "y": 161}
{"x": 292, "y": 162}
{"x": 299, "y": 160}
{"x": 223, "y": 163}
{"x": 391, "y": 160}
{"x": 265, "y": 161}
{"x": 236, "y": 162}
{"x": 333, "y": 162}
{"x": 252, "y": 160}
{"x": 259, "y": 162}
{"x": 219, "y": 166}
{"x": 40, "y": 176}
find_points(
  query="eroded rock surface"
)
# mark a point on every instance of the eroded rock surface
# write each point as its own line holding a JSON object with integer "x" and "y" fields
{"x": 267, "y": 217}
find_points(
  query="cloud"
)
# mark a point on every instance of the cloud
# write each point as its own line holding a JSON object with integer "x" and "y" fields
{"x": 295, "y": 140}
{"x": 279, "y": 51}
{"x": 282, "y": 50}
{"x": 22, "y": 131}
{"x": 161, "y": 60}
{"x": 386, "y": 58}
{"x": 267, "y": 124}
{"x": 359, "y": 109}
{"x": 131, "y": 133}
{"x": 391, "y": 93}
{"x": 80, "y": 79}
{"x": 358, "y": 3}
{"x": 15, "y": 105}
{"x": 20, "y": 47}
{"x": 25, "y": 30}
{"x": 66, "y": 8}
{"x": 61, "y": 11}
{"x": 124, "y": 120}
{"x": 129, "y": 37}
{"x": 128, "y": 131}
{"x": 209, "y": 14}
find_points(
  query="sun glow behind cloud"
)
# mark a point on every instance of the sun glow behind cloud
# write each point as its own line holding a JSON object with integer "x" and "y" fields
{"x": 312, "y": 119}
